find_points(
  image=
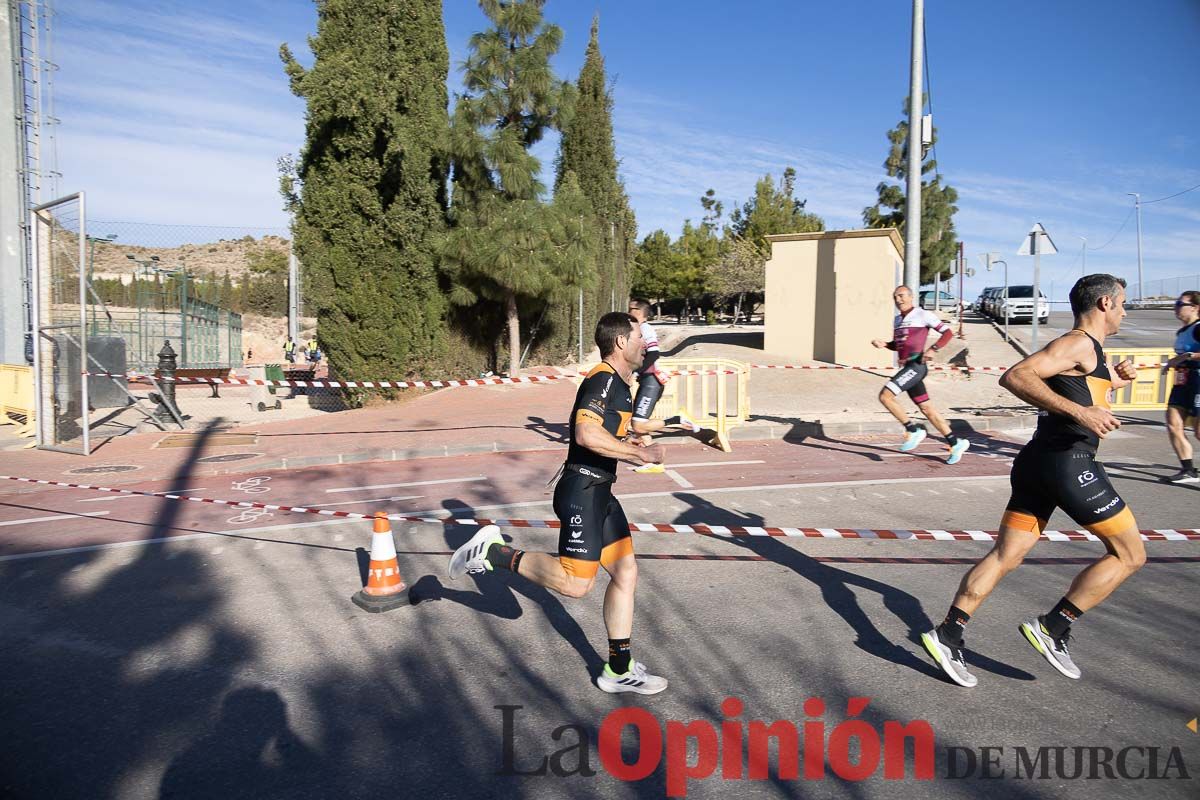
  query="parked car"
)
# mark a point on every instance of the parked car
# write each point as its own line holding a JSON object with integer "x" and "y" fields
{"x": 930, "y": 299}
{"x": 994, "y": 298}
{"x": 981, "y": 301}
{"x": 1020, "y": 304}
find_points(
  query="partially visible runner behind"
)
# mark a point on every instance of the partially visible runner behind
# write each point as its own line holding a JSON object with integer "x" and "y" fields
{"x": 594, "y": 532}
{"x": 1070, "y": 382}
{"x": 910, "y": 333}
{"x": 1183, "y": 406}
{"x": 651, "y": 382}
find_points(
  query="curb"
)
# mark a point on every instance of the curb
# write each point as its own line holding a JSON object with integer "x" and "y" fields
{"x": 1012, "y": 340}
{"x": 746, "y": 433}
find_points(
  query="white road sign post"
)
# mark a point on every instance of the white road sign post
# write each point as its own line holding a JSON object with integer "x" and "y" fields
{"x": 1036, "y": 243}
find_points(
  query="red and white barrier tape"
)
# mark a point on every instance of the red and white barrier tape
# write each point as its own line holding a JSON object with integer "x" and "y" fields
{"x": 497, "y": 381}
{"x": 1159, "y": 535}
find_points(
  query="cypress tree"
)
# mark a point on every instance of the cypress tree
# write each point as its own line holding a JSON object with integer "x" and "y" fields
{"x": 587, "y": 149}
{"x": 368, "y": 190}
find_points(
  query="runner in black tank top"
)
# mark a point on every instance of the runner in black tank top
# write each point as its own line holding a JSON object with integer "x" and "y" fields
{"x": 1070, "y": 383}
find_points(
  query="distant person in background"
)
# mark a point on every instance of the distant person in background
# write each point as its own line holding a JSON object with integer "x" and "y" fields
{"x": 909, "y": 338}
{"x": 650, "y": 387}
{"x": 1183, "y": 406}
{"x": 314, "y": 352}
{"x": 289, "y": 350}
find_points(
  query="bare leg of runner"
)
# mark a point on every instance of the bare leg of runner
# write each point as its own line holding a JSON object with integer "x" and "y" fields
{"x": 619, "y": 597}
{"x": 935, "y": 418}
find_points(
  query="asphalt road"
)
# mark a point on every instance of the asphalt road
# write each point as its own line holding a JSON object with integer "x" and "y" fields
{"x": 1141, "y": 328}
{"x": 181, "y": 653}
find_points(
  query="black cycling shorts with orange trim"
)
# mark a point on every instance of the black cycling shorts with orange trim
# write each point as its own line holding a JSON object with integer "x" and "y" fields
{"x": 1044, "y": 479}
{"x": 594, "y": 530}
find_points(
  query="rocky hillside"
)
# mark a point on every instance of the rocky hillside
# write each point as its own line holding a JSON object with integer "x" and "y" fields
{"x": 111, "y": 260}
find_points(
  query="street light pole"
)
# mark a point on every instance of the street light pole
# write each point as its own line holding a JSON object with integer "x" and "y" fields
{"x": 1083, "y": 271}
{"x": 912, "y": 213}
{"x": 990, "y": 263}
{"x": 1137, "y": 204}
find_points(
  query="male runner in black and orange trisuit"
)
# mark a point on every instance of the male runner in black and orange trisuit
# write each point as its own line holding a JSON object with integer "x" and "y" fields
{"x": 1070, "y": 382}
{"x": 594, "y": 532}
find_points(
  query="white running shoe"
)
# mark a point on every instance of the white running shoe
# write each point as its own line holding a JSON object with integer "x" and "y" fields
{"x": 637, "y": 679}
{"x": 471, "y": 558}
{"x": 688, "y": 423}
{"x": 957, "y": 450}
{"x": 1184, "y": 476}
{"x": 949, "y": 658}
{"x": 649, "y": 469}
{"x": 914, "y": 439}
{"x": 1054, "y": 650}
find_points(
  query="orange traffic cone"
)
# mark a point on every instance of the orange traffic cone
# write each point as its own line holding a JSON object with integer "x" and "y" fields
{"x": 385, "y": 588}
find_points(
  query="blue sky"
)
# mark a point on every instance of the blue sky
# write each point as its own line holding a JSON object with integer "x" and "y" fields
{"x": 176, "y": 113}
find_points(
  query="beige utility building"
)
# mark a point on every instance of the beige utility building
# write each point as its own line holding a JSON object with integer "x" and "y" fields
{"x": 828, "y": 294}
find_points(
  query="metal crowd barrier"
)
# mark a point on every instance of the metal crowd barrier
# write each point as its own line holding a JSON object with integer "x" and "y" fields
{"x": 1152, "y": 387}
{"x": 16, "y": 398}
{"x": 720, "y": 401}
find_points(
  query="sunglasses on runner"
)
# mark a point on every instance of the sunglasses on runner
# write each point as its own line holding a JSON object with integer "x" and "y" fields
{"x": 1180, "y": 304}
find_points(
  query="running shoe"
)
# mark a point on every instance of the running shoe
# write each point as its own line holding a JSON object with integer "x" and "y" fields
{"x": 1052, "y": 648}
{"x": 956, "y": 451}
{"x": 471, "y": 558}
{"x": 688, "y": 423}
{"x": 637, "y": 679}
{"x": 649, "y": 469}
{"x": 949, "y": 658}
{"x": 914, "y": 439}
{"x": 1184, "y": 476}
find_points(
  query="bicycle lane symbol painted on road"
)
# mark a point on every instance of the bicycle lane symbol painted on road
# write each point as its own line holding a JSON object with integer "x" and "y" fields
{"x": 252, "y": 485}
{"x": 249, "y": 515}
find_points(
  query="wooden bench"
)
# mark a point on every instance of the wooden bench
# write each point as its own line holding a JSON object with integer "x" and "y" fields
{"x": 218, "y": 373}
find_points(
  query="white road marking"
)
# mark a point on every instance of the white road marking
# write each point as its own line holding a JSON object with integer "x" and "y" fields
{"x": 714, "y": 464}
{"x": 32, "y": 520}
{"x": 132, "y": 496}
{"x": 433, "y": 512}
{"x": 402, "y": 485}
{"x": 675, "y": 476}
{"x": 365, "y": 500}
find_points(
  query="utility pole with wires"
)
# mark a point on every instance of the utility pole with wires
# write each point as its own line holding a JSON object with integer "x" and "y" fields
{"x": 912, "y": 213}
{"x": 1137, "y": 205}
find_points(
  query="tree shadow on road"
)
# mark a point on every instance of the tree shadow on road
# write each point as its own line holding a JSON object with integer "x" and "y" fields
{"x": 837, "y": 590}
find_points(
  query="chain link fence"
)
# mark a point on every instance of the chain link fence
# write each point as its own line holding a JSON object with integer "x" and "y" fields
{"x": 60, "y": 343}
{"x": 1165, "y": 290}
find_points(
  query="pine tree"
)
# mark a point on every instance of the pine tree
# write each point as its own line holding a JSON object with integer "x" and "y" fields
{"x": 503, "y": 245}
{"x": 652, "y": 268}
{"x": 939, "y": 240}
{"x": 368, "y": 191}
{"x": 587, "y": 149}
{"x": 774, "y": 209}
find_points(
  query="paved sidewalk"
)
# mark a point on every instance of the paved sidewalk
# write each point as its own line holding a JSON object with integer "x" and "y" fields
{"x": 448, "y": 422}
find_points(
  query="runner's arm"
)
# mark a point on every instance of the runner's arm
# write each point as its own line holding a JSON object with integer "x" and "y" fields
{"x": 591, "y": 434}
{"x": 1027, "y": 380}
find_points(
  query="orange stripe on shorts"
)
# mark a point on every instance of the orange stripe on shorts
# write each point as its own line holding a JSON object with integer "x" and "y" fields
{"x": 616, "y": 551}
{"x": 1022, "y": 521}
{"x": 579, "y": 569}
{"x": 1115, "y": 525}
